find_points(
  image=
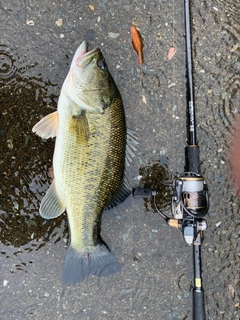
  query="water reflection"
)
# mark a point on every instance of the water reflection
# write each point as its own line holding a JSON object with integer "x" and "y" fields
{"x": 151, "y": 177}
{"x": 25, "y": 160}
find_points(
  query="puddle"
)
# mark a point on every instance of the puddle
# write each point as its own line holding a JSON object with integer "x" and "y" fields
{"x": 25, "y": 158}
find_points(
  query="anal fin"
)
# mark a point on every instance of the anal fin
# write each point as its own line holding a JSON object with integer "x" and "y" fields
{"x": 51, "y": 206}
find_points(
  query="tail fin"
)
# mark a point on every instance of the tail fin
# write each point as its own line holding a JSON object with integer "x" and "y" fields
{"x": 77, "y": 266}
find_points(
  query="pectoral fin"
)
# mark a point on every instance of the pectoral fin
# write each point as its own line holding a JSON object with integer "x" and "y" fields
{"x": 51, "y": 206}
{"x": 47, "y": 127}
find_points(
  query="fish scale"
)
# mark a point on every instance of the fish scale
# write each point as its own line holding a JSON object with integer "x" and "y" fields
{"x": 85, "y": 172}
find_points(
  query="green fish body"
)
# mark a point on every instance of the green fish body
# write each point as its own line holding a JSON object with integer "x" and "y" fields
{"x": 88, "y": 162}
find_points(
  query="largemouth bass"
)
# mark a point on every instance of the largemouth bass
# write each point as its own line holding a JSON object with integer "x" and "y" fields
{"x": 88, "y": 163}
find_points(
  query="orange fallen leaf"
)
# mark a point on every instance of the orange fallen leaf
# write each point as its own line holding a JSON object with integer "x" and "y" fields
{"x": 137, "y": 43}
{"x": 91, "y": 7}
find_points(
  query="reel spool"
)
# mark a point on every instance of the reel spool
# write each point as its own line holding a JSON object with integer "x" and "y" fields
{"x": 189, "y": 205}
{"x": 190, "y": 194}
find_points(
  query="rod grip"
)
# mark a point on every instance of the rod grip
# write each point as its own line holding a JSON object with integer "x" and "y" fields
{"x": 198, "y": 305}
{"x": 192, "y": 159}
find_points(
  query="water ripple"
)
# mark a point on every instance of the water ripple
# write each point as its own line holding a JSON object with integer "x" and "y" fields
{"x": 12, "y": 64}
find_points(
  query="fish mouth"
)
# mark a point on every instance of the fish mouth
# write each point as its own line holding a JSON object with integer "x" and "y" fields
{"x": 85, "y": 52}
{"x": 81, "y": 57}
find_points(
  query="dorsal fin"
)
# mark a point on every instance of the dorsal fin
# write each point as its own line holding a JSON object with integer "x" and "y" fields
{"x": 132, "y": 142}
{"x": 123, "y": 191}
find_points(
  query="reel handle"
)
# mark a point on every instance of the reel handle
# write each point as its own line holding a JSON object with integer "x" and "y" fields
{"x": 142, "y": 192}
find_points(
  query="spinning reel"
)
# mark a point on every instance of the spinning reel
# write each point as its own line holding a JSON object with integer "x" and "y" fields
{"x": 190, "y": 203}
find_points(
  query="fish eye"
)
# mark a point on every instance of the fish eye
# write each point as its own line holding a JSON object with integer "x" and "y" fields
{"x": 101, "y": 64}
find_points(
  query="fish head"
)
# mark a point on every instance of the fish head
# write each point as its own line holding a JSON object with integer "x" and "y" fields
{"x": 89, "y": 84}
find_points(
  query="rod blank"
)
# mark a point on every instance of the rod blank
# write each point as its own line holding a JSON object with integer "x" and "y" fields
{"x": 190, "y": 88}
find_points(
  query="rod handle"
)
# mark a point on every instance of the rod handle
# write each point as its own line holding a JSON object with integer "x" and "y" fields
{"x": 192, "y": 159}
{"x": 198, "y": 305}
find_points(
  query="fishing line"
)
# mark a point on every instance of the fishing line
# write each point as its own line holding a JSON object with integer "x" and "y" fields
{"x": 164, "y": 216}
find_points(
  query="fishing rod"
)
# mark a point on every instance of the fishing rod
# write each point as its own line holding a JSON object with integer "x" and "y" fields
{"x": 190, "y": 202}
